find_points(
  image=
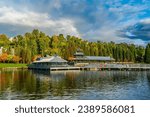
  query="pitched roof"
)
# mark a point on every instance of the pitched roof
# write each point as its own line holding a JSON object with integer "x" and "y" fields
{"x": 51, "y": 59}
{"x": 102, "y": 58}
{"x": 57, "y": 59}
{"x": 98, "y": 58}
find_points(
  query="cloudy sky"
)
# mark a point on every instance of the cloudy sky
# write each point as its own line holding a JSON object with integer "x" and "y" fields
{"x": 104, "y": 20}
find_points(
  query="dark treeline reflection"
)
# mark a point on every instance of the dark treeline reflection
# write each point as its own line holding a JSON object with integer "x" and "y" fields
{"x": 29, "y": 84}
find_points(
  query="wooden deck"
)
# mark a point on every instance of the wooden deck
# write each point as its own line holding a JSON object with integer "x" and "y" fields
{"x": 64, "y": 68}
{"x": 117, "y": 67}
{"x": 100, "y": 67}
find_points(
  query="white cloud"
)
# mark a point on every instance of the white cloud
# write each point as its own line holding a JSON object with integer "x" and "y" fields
{"x": 103, "y": 34}
{"x": 145, "y": 21}
{"x": 31, "y": 19}
{"x": 128, "y": 12}
{"x": 128, "y": 8}
{"x": 92, "y": 21}
{"x": 56, "y": 4}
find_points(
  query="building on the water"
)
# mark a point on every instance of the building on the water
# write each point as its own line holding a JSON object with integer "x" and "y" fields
{"x": 79, "y": 57}
{"x": 48, "y": 62}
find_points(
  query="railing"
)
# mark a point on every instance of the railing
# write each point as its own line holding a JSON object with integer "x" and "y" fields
{"x": 96, "y": 66}
{"x": 118, "y": 66}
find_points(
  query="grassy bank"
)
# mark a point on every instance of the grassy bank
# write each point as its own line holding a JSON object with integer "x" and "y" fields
{"x": 8, "y": 65}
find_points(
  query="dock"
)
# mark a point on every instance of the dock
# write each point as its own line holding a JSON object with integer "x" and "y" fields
{"x": 64, "y": 68}
{"x": 100, "y": 67}
{"x": 117, "y": 67}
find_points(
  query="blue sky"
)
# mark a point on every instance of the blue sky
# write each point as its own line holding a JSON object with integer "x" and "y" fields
{"x": 104, "y": 20}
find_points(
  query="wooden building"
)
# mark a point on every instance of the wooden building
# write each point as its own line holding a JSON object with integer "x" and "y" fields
{"x": 79, "y": 57}
{"x": 48, "y": 62}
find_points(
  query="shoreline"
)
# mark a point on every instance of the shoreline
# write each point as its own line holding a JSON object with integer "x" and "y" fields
{"x": 95, "y": 67}
{"x": 90, "y": 67}
{"x": 7, "y": 68}
{"x": 13, "y": 66}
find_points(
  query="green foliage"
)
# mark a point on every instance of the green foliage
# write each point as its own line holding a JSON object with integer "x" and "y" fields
{"x": 37, "y": 43}
{"x": 147, "y": 53}
{"x": 3, "y": 65}
{"x": 4, "y": 40}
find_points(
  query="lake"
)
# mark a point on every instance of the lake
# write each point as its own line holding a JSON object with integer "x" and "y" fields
{"x": 74, "y": 85}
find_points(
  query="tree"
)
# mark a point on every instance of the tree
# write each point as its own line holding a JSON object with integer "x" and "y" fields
{"x": 3, "y": 57}
{"x": 9, "y": 58}
{"x": 16, "y": 59}
{"x": 37, "y": 43}
{"x": 147, "y": 53}
{"x": 4, "y": 40}
{"x": 140, "y": 51}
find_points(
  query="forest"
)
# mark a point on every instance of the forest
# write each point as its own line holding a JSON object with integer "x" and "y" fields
{"x": 36, "y": 44}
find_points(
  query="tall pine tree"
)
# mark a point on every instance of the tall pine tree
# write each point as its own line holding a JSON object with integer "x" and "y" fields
{"x": 147, "y": 53}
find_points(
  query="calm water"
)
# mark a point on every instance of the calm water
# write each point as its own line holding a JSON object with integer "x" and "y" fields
{"x": 93, "y": 85}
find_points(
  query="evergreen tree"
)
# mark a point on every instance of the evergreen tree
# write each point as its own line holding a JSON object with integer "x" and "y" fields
{"x": 37, "y": 43}
{"x": 147, "y": 53}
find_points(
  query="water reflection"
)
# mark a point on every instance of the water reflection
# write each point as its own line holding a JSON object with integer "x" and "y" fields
{"x": 28, "y": 84}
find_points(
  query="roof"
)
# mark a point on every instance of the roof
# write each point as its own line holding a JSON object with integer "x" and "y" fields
{"x": 78, "y": 53}
{"x": 52, "y": 59}
{"x": 104, "y": 58}
{"x": 98, "y": 58}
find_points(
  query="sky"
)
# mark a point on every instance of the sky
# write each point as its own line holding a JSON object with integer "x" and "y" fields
{"x": 103, "y": 20}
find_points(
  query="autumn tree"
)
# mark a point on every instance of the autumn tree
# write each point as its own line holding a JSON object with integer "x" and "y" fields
{"x": 37, "y": 43}
{"x": 16, "y": 59}
{"x": 3, "y": 57}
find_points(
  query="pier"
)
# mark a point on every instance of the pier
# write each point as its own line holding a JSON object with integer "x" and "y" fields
{"x": 117, "y": 67}
{"x": 64, "y": 68}
{"x": 99, "y": 67}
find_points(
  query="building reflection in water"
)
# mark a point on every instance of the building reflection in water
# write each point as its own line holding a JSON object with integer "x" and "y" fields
{"x": 35, "y": 84}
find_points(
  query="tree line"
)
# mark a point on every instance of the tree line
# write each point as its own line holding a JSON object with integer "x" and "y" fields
{"x": 35, "y": 44}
